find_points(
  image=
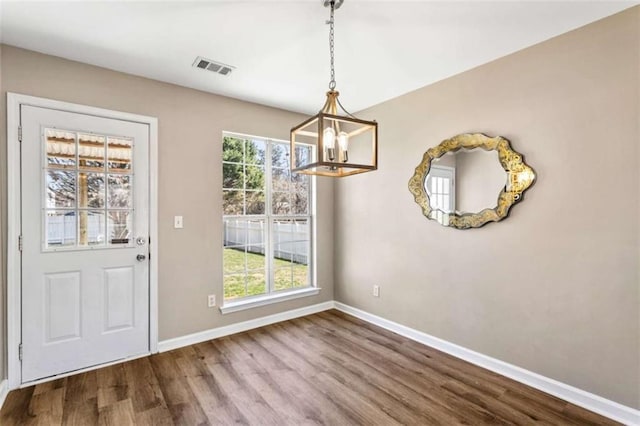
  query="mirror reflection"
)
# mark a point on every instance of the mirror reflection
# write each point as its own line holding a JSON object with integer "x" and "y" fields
{"x": 470, "y": 180}
{"x": 465, "y": 181}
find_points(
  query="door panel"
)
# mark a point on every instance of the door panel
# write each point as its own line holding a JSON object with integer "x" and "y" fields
{"x": 85, "y": 197}
{"x": 119, "y": 296}
{"x": 62, "y": 306}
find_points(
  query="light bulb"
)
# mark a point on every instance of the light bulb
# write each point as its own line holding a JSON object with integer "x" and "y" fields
{"x": 329, "y": 140}
{"x": 343, "y": 143}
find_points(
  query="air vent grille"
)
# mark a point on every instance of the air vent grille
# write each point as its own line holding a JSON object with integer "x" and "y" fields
{"x": 213, "y": 66}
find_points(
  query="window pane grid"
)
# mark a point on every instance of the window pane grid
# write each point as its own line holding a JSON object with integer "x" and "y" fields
{"x": 88, "y": 197}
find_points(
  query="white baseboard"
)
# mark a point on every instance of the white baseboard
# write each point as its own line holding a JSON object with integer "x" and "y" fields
{"x": 591, "y": 402}
{"x": 214, "y": 333}
{"x": 4, "y": 391}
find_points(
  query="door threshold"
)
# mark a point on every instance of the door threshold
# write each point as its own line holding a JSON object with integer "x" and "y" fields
{"x": 81, "y": 370}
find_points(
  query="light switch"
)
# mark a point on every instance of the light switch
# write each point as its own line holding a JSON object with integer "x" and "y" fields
{"x": 177, "y": 222}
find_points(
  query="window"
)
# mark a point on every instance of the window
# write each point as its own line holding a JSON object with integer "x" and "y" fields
{"x": 267, "y": 219}
{"x": 88, "y": 190}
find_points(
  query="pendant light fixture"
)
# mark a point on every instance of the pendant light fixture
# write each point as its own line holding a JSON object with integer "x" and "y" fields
{"x": 334, "y": 142}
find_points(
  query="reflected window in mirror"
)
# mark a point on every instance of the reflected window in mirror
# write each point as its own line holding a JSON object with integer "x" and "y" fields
{"x": 440, "y": 185}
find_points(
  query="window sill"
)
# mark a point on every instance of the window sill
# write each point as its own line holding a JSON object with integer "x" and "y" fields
{"x": 256, "y": 302}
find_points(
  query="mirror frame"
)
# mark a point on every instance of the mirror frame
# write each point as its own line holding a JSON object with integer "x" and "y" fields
{"x": 520, "y": 177}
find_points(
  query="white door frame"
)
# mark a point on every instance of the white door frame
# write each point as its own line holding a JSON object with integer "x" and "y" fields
{"x": 14, "y": 271}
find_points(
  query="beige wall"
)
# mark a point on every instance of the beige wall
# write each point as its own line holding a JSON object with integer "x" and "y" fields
{"x": 190, "y": 178}
{"x": 554, "y": 287}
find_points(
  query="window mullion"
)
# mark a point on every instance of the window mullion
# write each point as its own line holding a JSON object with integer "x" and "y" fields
{"x": 269, "y": 221}
{"x": 245, "y": 274}
{"x": 77, "y": 180}
{"x": 311, "y": 213}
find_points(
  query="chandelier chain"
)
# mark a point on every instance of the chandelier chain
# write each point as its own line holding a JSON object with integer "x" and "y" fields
{"x": 332, "y": 82}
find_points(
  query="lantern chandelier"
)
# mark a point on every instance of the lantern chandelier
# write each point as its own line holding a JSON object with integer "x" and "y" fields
{"x": 334, "y": 142}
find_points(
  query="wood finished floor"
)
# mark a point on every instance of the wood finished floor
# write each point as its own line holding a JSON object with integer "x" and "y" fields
{"x": 328, "y": 368}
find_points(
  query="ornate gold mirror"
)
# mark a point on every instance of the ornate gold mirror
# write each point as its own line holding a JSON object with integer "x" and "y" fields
{"x": 457, "y": 181}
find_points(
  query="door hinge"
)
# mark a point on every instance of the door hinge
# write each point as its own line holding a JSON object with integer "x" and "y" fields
{"x": 19, "y": 133}
{"x": 20, "y": 242}
{"x": 20, "y": 351}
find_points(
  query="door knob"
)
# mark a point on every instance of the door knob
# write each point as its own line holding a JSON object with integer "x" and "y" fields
{"x": 140, "y": 257}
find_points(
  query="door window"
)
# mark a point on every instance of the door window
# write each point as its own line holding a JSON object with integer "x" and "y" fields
{"x": 88, "y": 199}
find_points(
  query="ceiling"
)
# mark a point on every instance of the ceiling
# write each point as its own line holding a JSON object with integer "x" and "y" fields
{"x": 280, "y": 48}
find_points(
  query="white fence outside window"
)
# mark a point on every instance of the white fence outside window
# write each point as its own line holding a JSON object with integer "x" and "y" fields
{"x": 62, "y": 229}
{"x": 290, "y": 240}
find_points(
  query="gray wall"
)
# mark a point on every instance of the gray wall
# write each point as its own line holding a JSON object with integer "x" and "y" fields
{"x": 190, "y": 178}
{"x": 554, "y": 287}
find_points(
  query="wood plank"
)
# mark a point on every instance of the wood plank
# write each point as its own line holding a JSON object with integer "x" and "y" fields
{"x": 286, "y": 380}
{"x": 119, "y": 413}
{"x": 112, "y": 385}
{"x": 143, "y": 387}
{"x": 536, "y": 410}
{"x": 49, "y": 386}
{"x": 232, "y": 378}
{"x": 81, "y": 399}
{"x": 260, "y": 379}
{"x": 16, "y": 406}
{"x": 46, "y": 407}
{"x": 214, "y": 402}
{"x": 300, "y": 383}
{"x": 179, "y": 398}
{"x": 159, "y": 416}
{"x": 489, "y": 403}
{"x": 585, "y": 417}
{"x": 81, "y": 387}
{"x": 81, "y": 413}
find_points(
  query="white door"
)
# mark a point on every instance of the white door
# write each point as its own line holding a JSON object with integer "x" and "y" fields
{"x": 85, "y": 241}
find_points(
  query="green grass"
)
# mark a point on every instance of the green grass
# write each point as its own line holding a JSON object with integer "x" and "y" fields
{"x": 286, "y": 274}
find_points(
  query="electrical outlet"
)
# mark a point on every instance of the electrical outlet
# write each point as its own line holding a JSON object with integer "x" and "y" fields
{"x": 211, "y": 300}
{"x": 376, "y": 291}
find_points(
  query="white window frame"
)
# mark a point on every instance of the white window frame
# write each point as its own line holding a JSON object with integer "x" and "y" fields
{"x": 272, "y": 295}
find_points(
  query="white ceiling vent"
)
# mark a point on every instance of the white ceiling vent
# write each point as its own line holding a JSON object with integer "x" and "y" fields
{"x": 213, "y": 66}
